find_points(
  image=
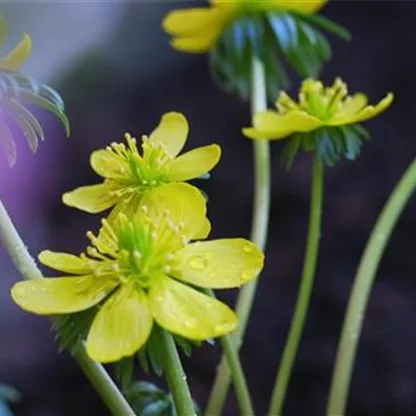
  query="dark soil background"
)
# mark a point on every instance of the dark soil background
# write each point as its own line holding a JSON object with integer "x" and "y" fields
{"x": 125, "y": 84}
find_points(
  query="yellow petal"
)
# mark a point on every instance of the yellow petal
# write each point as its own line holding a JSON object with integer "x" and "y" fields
{"x": 17, "y": 57}
{"x": 218, "y": 264}
{"x": 203, "y": 233}
{"x": 182, "y": 204}
{"x": 369, "y": 111}
{"x": 109, "y": 165}
{"x": 196, "y": 44}
{"x": 189, "y": 313}
{"x": 300, "y": 6}
{"x": 171, "y": 132}
{"x": 194, "y": 163}
{"x": 121, "y": 327}
{"x": 351, "y": 107}
{"x": 191, "y": 21}
{"x": 67, "y": 263}
{"x": 92, "y": 198}
{"x": 271, "y": 125}
{"x": 62, "y": 294}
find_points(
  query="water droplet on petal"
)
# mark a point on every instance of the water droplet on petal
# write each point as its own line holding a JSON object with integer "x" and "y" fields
{"x": 198, "y": 262}
{"x": 191, "y": 323}
{"x": 248, "y": 248}
{"x": 247, "y": 274}
{"x": 208, "y": 255}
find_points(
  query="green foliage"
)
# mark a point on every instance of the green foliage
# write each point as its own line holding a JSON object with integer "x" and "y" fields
{"x": 8, "y": 395}
{"x": 330, "y": 144}
{"x": 72, "y": 329}
{"x": 150, "y": 358}
{"x": 148, "y": 400}
{"x": 275, "y": 38}
{"x": 16, "y": 91}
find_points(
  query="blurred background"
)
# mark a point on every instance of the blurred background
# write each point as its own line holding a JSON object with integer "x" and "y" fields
{"x": 114, "y": 67}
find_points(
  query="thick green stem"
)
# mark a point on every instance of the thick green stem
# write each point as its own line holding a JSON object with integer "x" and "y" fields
{"x": 175, "y": 375}
{"x": 363, "y": 283}
{"x": 302, "y": 304}
{"x": 28, "y": 269}
{"x": 261, "y": 208}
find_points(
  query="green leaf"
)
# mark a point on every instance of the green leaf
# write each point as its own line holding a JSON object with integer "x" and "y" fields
{"x": 7, "y": 143}
{"x": 25, "y": 120}
{"x": 124, "y": 371}
{"x": 9, "y": 394}
{"x": 47, "y": 105}
{"x": 72, "y": 329}
{"x": 148, "y": 400}
{"x": 326, "y": 24}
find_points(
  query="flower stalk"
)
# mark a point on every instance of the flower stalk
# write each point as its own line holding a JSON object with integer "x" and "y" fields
{"x": 258, "y": 236}
{"x": 175, "y": 375}
{"x": 302, "y": 304}
{"x": 28, "y": 269}
{"x": 363, "y": 284}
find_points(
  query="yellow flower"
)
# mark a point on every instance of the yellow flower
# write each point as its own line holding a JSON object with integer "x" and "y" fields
{"x": 318, "y": 107}
{"x": 17, "y": 56}
{"x": 141, "y": 269}
{"x": 197, "y": 30}
{"x": 128, "y": 174}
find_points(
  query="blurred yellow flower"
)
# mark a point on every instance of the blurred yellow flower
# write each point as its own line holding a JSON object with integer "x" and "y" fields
{"x": 128, "y": 174}
{"x": 140, "y": 268}
{"x": 197, "y": 30}
{"x": 19, "y": 54}
{"x": 318, "y": 106}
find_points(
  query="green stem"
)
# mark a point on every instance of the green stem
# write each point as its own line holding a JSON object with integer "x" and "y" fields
{"x": 302, "y": 304}
{"x": 175, "y": 375}
{"x": 363, "y": 283}
{"x": 261, "y": 209}
{"x": 28, "y": 269}
{"x": 233, "y": 363}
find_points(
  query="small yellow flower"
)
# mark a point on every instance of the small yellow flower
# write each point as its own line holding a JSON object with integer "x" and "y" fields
{"x": 17, "y": 56}
{"x": 318, "y": 107}
{"x": 197, "y": 30}
{"x": 128, "y": 174}
{"x": 140, "y": 268}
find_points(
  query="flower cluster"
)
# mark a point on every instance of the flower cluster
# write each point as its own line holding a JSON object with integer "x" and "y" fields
{"x": 144, "y": 265}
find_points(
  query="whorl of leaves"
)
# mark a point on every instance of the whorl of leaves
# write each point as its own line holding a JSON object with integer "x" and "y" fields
{"x": 277, "y": 39}
{"x": 17, "y": 92}
{"x": 329, "y": 144}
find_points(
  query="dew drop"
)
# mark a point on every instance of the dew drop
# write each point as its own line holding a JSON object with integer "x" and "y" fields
{"x": 208, "y": 255}
{"x": 198, "y": 262}
{"x": 248, "y": 248}
{"x": 247, "y": 274}
{"x": 191, "y": 323}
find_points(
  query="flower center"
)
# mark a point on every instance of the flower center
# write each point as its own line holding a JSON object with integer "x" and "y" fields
{"x": 322, "y": 102}
{"x": 141, "y": 248}
{"x": 141, "y": 171}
